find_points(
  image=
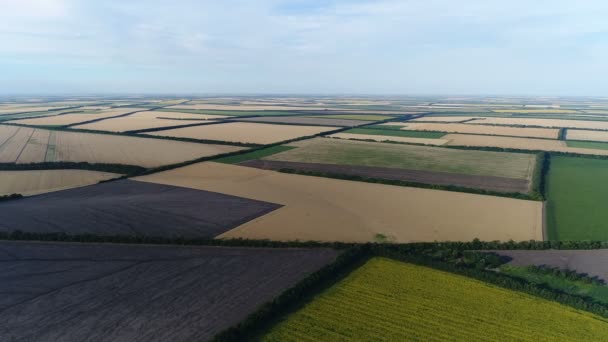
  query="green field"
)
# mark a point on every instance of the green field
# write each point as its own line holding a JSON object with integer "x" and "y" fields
{"x": 587, "y": 144}
{"x": 574, "y": 287}
{"x": 265, "y": 152}
{"x": 389, "y": 300}
{"x": 397, "y": 133}
{"x": 363, "y": 117}
{"x": 577, "y": 189}
{"x": 411, "y": 157}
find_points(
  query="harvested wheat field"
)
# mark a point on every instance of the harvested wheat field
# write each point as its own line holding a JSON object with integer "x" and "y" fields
{"x": 32, "y": 182}
{"x": 550, "y": 133}
{"x": 357, "y": 211}
{"x": 32, "y": 145}
{"x": 254, "y": 107}
{"x": 244, "y": 132}
{"x": 445, "y": 118}
{"x": 599, "y": 125}
{"x": 26, "y": 109}
{"x": 535, "y": 111}
{"x": 518, "y": 143}
{"x": 146, "y": 120}
{"x": 380, "y": 138}
{"x": 74, "y": 118}
{"x": 574, "y": 134}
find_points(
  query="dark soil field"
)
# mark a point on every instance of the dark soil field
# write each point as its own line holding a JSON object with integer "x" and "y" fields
{"x": 591, "y": 262}
{"x": 309, "y": 121}
{"x": 129, "y": 207}
{"x": 428, "y": 177}
{"x": 103, "y": 292}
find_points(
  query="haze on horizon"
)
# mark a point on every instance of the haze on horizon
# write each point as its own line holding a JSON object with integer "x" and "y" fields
{"x": 269, "y": 46}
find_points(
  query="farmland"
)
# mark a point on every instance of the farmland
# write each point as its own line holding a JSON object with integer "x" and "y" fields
{"x": 482, "y": 129}
{"x": 598, "y": 125}
{"x": 147, "y": 120}
{"x": 299, "y": 120}
{"x": 396, "y": 133}
{"x": 358, "y": 211}
{"x": 393, "y": 138}
{"x": 29, "y": 145}
{"x": 445, "y": 118}
{"x": 31, "y": 182}
{"x": 128, "y": 207}
{"x": 140, "y": 293}
{"x": 357, "y": 117}
{"x": 244, "y": 132}
{"x": 70, "y": 119}
{"x": 594, "y": 145}
{"x": 576, "y": 189}
{"x": 401, "y": 302}
{"x": 575, "y": 134}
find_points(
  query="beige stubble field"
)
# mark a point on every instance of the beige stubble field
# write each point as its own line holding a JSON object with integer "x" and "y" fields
{"x": 148, "y": 119}
{"x": 548, "y": 133}
{"x": 381, "y": 138}
{"x": 599, "y": 125}
{"x": 326, "y": 209}
{"x": 31, "y": 182}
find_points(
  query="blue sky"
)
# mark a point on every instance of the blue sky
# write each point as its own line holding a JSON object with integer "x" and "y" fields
{"x": 265, "y": 46}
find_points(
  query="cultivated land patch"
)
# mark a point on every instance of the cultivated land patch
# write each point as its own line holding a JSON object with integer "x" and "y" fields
{"x": 549, "y": 133}
{"x": 535, "y": 111}
{"x": 392, "y": 132}
{"x": 591, "y": 262}
{"x": 576, "y": 195}
{"x": 518, "y": 143}
{"x": 146, "y": 120}
{"x": 357, "y": 117}
{"x": 575, "y": 134}
{"x": 140, "y": 293}
{"x": 129, "y": 207}
{"x": 31, "y": 182}
{"x": 358, "y": 211}
{"x": 382, "y": 137}
{"x": 257, "y": 107}
{"x": 444, "y": 118}
{"x": 587, "y": 144}
{"x": 308, "y": 121}
{"x": 411, "y": 157}
{"x": 70, "y": 119}
{"x": 244, "y": 132}
{"x": 32, "y": 145}
{"x": 599, "y": 125}
{"x": 402, "y": 302}
{"x": 26, "y": 109}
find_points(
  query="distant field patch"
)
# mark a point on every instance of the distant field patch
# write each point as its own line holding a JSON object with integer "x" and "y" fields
{"x": 588, "y": 144}
{"x": 396, "y": 133}
{"x": 32, "y": 182}
{"x": 390, "y": 138}
{"x": 576, "y": 192}
{"x": 411, "y": 157}
{"x": 244, "y": 132}
{"x": 254, "y": 155}
{"x": 534, "y": 111}
{"x": 445, "y": 118}
{"x": 146, "y": 120}
{"x": 357, "y": 117}
{"x": 576, "y": 134}
{"x": 549, "y": 133}
{"x": 404, "y": 302}
{"x": 301, "y": 120}
{"x": 69, "y": 119}
{"x": 587, "y": 124}
{"x": 32, "y": 145}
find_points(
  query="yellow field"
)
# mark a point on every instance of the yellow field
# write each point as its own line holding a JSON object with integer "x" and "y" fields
{"x": 326, "y": 209}
{"x": 395, "y": 301}
{"x": 69, "y": 119}
{"x": 244, "y": 132}
{"x": 425, "y": 141}
{"x": 551, "y": 133}
{"x": 601, "y": 125}
{"x": 25, "y": 109}
{"x": 145, "y": 120}
{"x": 534, "y": 111}
{"x": 41, "y": 181}
{"x": 517, "y": 143}
{"x": 30, "y": 145}
{"x": 574, "y": 134}
{"x": 445, "y": 118}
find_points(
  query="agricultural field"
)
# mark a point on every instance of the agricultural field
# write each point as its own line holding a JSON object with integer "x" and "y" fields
{"x": 445, "y": 118}
{"x": 576, "y": 192}
{"x": 586, "y": 124}
{"x": 244, "y": 132}
{"x": 140, "y": 292}
{"x": 32, "y": 182}
{"x": 147, "y": 120}
{"x": 74, "y": 118}
{"x": 394, "y": 138}
{"x": 576, "y": 134}
{"x": 357, "y": 211}
{"x": 357, "y": 117}
{"x": 594, "y": 145}
{"x": 548, "y": 133}
{"x": 31, "y": 145}
{"x": 476, "y": 169}
{"x": 300, "y": 120}
{"x": 400, "y": 302}
{"x": 128, "y": 207}
{"x": 391, "y": 132}
{"x": 536, "y": 111}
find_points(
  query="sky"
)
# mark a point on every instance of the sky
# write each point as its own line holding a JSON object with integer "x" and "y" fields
{"x": 485, "y": 47}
